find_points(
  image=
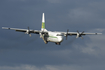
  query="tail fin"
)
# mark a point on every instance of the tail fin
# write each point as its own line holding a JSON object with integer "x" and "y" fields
{"x": 43, "y": 22}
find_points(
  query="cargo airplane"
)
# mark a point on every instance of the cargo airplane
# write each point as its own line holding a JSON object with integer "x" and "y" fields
{"x": 51, "y": 36}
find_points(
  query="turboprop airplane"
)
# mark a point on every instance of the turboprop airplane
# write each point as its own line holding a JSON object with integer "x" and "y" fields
{"x": 51, "y": 36}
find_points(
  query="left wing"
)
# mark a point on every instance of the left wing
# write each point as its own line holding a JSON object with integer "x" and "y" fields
{"x": 78, "y": 34}
{"x": 75, "y": 33}
{"x": 28, "y": 31}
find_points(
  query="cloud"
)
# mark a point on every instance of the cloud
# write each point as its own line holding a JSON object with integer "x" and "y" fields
{"x": 52, "y": 67}
{"x": 96, "y": 45}
{"x": 22, "y": 67}
{"x": 83, "y": 16}
{"x": 21, "y": 52}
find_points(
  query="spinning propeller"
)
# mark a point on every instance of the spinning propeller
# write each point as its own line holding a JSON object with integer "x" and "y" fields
{"x": 67, "y": 33}
{"x": 28, "y": 32}
{"x": 42, "y": 34}
{"x": 79, "y": 34}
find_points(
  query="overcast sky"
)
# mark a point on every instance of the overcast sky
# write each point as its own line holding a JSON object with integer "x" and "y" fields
{"x": 18, "y": 51}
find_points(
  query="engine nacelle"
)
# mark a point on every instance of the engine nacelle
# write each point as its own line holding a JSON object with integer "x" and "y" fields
{"x": 27, "y": 32}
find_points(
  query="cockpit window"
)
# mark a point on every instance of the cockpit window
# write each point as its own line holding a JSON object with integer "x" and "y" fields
{"x": 59, "y": 35}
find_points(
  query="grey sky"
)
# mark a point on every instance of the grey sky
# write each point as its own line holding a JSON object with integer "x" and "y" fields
{"x": 21, "y": 52}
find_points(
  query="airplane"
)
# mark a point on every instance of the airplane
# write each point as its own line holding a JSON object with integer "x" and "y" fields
{"x": 51, "y": 36}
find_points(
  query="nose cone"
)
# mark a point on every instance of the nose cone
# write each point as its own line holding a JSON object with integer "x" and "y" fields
{"x": 60, "y": 38}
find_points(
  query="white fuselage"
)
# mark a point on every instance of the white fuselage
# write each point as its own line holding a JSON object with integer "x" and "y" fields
{"x": 54, "y": 37}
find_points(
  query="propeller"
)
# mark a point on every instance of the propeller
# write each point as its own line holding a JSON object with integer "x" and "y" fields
{"x": 67, "y": 33}
{"x": 79, "y": 34}
{"x": 41, "y": 33}
{"x": 28, "y": 32}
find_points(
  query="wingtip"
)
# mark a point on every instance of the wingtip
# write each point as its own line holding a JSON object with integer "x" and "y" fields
{"x": 98, "y": 33}
{"x": 5, "y": 28}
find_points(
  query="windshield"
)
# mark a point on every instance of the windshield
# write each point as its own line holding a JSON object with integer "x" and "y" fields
{"x": 59, "y": 35}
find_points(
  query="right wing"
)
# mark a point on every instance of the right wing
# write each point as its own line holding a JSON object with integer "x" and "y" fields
{"x": 23, "y": 30}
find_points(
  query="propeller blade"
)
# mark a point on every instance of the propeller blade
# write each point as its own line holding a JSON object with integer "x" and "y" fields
{"x": 28, "y": 31}
{"x": 66, "y": 37}
{"x": 28, "y": 28}
{"x": 82, "y": 32}
{"x": 81, "y": 37}
{"x": 30, "y": 35}
{"x": 67, "y": 33}
{"x": 79, "y": 34}
{"x": 77, "y": 31}
{"x": 76, "y": 36}
{"x": 67, "y": 30}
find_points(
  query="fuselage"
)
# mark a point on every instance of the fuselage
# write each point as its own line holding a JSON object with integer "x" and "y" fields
{"x": 54, "y": 37}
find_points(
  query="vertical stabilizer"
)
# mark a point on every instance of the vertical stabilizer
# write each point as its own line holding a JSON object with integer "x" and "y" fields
{"x": 43, "y": 22}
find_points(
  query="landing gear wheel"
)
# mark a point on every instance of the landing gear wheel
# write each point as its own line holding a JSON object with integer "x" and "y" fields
{"x": 57, "y": 43}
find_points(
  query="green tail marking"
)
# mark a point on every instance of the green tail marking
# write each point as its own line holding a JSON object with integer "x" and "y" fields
{"x": 43, "y": 25}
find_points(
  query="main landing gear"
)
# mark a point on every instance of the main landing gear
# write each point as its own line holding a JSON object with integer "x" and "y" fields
{"x": 58, "y": 43}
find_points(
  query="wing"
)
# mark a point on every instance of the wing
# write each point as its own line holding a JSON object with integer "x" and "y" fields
{"x": 23, "y": 30}
{"x": 78, "y": 34}
{"x": 75, "y": 33}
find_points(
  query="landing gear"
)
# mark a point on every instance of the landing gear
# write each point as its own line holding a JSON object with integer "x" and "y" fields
{"x": 44, "y": 39}
{"x": 45, "y": 42}
{"x": 58, "y": 43}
